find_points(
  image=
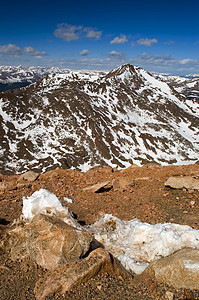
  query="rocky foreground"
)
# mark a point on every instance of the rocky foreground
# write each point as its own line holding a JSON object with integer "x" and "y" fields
{"x": 32, "y": 267}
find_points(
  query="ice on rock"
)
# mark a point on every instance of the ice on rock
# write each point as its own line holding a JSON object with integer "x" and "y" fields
{"x": 44, "y": 202}
{"x": 68, "y": 200}
{"x": 132, "y": 265}
{"x": 134, "y": 242}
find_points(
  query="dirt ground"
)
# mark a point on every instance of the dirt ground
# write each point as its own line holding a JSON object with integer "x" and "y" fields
{"x": 147, "y": 199}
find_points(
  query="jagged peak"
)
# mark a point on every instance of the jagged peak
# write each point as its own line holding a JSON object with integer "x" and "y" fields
{"x": 127, "y": 71}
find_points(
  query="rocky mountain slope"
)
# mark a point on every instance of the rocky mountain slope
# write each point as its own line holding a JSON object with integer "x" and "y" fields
{"x": 187, "y": 86}
{"x": 81, "y": 119}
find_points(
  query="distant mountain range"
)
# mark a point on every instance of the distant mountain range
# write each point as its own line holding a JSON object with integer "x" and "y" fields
{"x": 80, "y": 119}
{"x": 17, "y": 77}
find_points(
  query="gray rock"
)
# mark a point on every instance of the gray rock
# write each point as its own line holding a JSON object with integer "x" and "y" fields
{"x": 181, "y": 270}
{"x": 28, "y": 176}
{"x": 100, "y": 186}
{"x": 48, "y": 241}
{"x": 67, "y": 276}
{"x": 187, "y": 182}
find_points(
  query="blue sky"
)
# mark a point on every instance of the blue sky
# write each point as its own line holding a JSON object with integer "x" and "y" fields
{"x": 161, "y": 36}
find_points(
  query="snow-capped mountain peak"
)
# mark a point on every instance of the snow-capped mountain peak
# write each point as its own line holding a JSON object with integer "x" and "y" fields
{"x": 80, "y": 119}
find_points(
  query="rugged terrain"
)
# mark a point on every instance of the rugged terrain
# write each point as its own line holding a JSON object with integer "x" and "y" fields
{"x": 80, "y": 120}
{"x": 187, "y": 86}
{"x": 19, "y": 76}
{"x": 146, "y": 198}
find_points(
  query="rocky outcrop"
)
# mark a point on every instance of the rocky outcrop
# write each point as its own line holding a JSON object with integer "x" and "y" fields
{"x": 98, "y": 187}
{"x": 181, "y": 270}
{"x": 29, "y": 176}
{"x": 119, "y": 183}
{"x": 67, "y": 276}
{"x": 178, "y": 182}
{"x": 48, "y": 241}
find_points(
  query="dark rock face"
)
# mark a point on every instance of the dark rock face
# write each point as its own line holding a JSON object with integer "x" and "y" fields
{"x": 80, "y": 120}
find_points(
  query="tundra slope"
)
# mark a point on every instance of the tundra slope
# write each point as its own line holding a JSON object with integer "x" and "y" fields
{"x": 82, "y": 119}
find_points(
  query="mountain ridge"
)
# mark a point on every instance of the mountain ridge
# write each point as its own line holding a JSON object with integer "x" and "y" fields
{"x": 80, "y": 120}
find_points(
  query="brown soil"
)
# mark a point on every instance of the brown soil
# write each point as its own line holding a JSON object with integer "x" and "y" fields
{"x": 148, "y": 200}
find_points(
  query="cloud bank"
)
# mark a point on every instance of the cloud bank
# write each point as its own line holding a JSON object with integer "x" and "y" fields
{"x": 152, "y": 63}
{"x": 14, "y": 50}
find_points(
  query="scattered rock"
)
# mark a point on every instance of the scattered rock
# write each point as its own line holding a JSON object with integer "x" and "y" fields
{"x": 3, "y": 186}
{"x": 99, "y": 187}
{"x": 21, "y": 185}
{"x": 180, "y": 270}
{"x": 67, "y": 276}
{"x": 48, "y": 241}
{"x": 4, "y": 268}
{"x": 7, "y": 186}
{"x": 122, "y": 183}
{"x": 28, "y": 176}
{"x": 187, "y": 182}
{"x": 143, "y": 178}
{"x": 169, "y": 295}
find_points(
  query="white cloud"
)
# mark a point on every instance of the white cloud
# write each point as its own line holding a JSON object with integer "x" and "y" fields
{"x": 186, "y": 61}
{"x": 11, "y": 49}
{"x": 34, "y": 52}
{"x": 93, "y": 33}
{"x": 68, "y": 32}
{"x": 119, "y": 39}
{"x": 116, "y": 55}
{"x": 147, "y": 42}
{"x": 84, "y": 52}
